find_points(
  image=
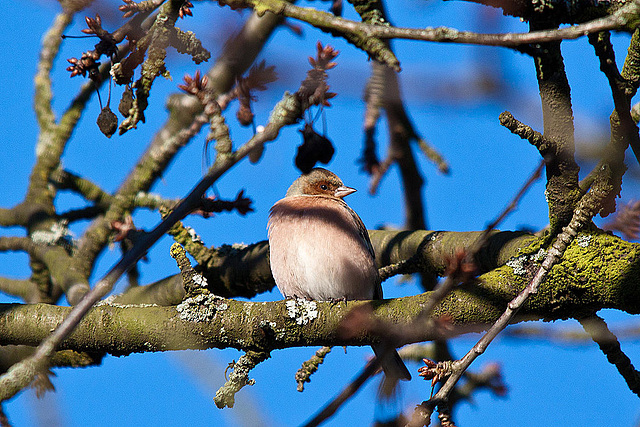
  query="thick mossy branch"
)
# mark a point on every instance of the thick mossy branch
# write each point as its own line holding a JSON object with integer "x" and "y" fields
{"x": 243, "y": 270}
{"x": 436, "y": 247}
{"x": 598, "y": 271}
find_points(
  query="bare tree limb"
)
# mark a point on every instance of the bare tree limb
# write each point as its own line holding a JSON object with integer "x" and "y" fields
{"x": 620, "y": 19}
{"x": 608, "y": 343}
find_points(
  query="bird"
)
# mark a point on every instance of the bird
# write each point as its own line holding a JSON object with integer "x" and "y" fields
{"x": 319, "y": 249}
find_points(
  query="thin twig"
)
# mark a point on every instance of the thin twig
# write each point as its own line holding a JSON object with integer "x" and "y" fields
{"x": 371, "y": 368}
{"x": 239, "y": 377}
{"x": 514, "y": 203}
{"x": 379, "y": 172}
{"x": 433, "y": 155}
{"x": 310, "y": 366}
{"x": 597, "y": 328}
{"x": 544, "y": 145}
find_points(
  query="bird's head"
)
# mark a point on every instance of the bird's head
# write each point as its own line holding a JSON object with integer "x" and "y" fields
{"x": 319, "y": 182}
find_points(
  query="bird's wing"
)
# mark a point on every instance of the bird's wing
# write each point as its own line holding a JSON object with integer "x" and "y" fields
{"x": 364, "y": 235}
{"x": 362, "y": 230}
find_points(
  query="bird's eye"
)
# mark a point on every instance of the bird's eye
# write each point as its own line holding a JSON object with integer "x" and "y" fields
{"x": 324, "y": 187}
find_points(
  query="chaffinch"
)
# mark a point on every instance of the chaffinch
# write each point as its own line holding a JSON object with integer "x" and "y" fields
{"x": 320, "y": 249}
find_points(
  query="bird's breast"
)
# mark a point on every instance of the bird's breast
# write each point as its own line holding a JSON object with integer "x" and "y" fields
{"x": 317, "y": 252}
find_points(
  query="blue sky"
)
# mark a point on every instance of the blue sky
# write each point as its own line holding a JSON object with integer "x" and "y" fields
{"x": 549, "y": 383}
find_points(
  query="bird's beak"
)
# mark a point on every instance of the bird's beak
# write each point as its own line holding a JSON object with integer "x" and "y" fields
{"x": 343, "y": 190}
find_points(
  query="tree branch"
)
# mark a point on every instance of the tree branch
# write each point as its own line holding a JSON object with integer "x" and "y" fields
{"x": 246, "y": 325}
{"x": 596, "y": 327}
{"x": 624, "y": 85}
{"x": 624, "y": 17}
{"x": 562, "y": 190}
{"x": 54, "y": 257}
{"x": 239, "y": 377}
{"x": 588, "y": 207}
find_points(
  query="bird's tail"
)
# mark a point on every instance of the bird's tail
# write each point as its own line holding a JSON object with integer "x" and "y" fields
{"x": 392, "y": 365}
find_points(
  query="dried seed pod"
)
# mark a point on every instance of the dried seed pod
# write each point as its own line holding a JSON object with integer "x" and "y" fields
{"x": 314, "y": 148}
{"x": 107, "y": 122}
{"x": 126, "y": 102}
